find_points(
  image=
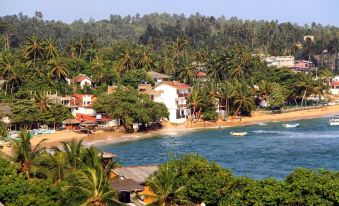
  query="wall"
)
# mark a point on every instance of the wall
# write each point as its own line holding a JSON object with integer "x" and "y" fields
{"x": 85, "y": 82}
{"x": 168, "y": 97}
{"x": 83, "y": 110}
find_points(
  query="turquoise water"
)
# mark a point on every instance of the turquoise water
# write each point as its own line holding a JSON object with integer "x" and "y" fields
{"x": 267, "y": 151}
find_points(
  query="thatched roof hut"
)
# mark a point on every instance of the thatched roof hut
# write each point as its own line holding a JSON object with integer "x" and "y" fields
{"x": 71, "y": 121}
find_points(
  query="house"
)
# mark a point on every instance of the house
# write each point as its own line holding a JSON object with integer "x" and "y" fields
{"x": 147, "y": 89}
{"x": 131, "y": 179}
{"x": 280, "y": 61}
{"x": 334, "y": 85}
{"x": 174, "y": 95}
{"x": 83, "y": 104}
{"x": 303, "y": 65}
{"x": 63, "y": 100}
{"x": 158, "y": 77}
{"x": 201, "y": 76}
{"x": 81, "y": 80}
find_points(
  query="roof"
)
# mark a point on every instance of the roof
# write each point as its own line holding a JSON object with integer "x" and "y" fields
{"x": 156, "y": 75}
{"x": 153, "y": 92}
{"x": 80, "y": 78}
{"x": 107, "y": 155}
{"x": 177, "y": 85}
{"x": 71, "y": 121}
{"x": 86, "y": 117}
{"x": 126, "y": 185}
{"x": 80, "y": 96}
{"x": 140, "y": 174}
{"x": 5, "y": 109}
{"x": 334, "y": 83}
{"x": 200, "y": 74}
{"x": 304, "y": 61}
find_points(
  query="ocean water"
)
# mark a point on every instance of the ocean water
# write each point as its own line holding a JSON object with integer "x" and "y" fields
{"x": 269, "y": 150}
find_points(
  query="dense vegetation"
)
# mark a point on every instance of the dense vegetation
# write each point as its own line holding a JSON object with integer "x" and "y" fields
{"x": 74, "y": 176}
{"x": 66, "y": 178}
{"x": 37, "y": 56}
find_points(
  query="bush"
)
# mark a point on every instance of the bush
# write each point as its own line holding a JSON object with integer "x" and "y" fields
{"x": 210, "y": 115}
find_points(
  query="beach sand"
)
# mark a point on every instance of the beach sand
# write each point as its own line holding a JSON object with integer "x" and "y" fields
{"x": 102, "y": 137}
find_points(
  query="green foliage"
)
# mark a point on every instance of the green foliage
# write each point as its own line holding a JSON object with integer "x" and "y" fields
{"x": 210, "y": 115}
{"x": 131, "y": 107}
{"x": 135, "y": 77}
{"x": 277, "y": 97}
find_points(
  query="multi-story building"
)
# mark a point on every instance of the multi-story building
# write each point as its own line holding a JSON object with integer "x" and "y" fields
{"x": 83, "y": 104}
{"x": 174, "y": 95}
{"x": 280, "y": 61}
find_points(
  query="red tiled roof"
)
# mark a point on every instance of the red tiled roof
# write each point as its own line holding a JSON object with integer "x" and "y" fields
{"x": 334, "y": 83}
{"x": 200, "y": 74}
{"x": 80, "y": 78}
{"x": 80, "y": 96}
{"x": 177, "y": 85}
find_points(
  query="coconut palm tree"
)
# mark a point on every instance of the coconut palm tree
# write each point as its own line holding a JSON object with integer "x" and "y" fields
{"x": 305, "y": 84}
{"x": 41, "y": 101}
{"x": 226, "y": 92}
{"x": 186, "y": 73}
{"x": 34, "y": 48}
{"x": 91, "y": 184}
{"x": 73, "y": 151}
{"x": 56, "y": 165}
{"x": 51, "y": 49}
{"x": 25, "y": 154}
{"x": 243, "y": 98}
{"x": 58, "y": 68}
{"x": 195, "y": 100}
{"x": 163, "y": 184}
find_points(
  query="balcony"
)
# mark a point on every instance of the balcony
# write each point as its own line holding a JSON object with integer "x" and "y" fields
{"x": 182, "y": 105}
{"x": 183, "y": 95}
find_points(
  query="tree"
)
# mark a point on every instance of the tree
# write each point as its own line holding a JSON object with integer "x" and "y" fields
{"x": 73, "y": 150}
{"x": 34, "y": 48}
{"x": 277, "y": 97}
{"x": 243, "y": 99}
{"x": 195, "y": 101}
{"x": 25, "y": 154}
{"x": 50, "y": 48}
{"x": 129, "y": 106}
{"x": 163, "y": 185}
{"x": 58, "y": 69}
{"x": 91, "y": 186}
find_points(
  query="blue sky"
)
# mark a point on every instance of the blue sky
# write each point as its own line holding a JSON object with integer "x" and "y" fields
{"x": 299, "y": 11}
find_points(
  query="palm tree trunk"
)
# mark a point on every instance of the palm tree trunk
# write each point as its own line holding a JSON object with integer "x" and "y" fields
{"x": 302, "y": 100}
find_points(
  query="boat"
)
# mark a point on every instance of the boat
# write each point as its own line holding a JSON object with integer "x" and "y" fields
{"x": 238, "y": 134}
{"x": 334, "y": 121}
{"x": 291, "y": 125}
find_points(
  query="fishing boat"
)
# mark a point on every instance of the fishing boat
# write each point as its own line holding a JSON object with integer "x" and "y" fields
{"x": 291, "y": 125}
{"x": 238, "y": 134}
{"x": 334, "y": 121}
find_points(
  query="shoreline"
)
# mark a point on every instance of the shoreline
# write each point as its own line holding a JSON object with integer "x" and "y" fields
{"x": 104, "y": 138}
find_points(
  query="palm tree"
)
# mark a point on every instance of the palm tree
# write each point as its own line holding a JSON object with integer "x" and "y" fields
{"x": 34, "y": 48}
{"x": 25, "y": 154}
{"x": 98, "y": 67}
{"x": 226, "y": 92}
{"x": 164, "y": 186}
{"x": 195, "y": 100}
{"x": 305, "y": 85}
{"x": 145, "y": 61}
{"x": 92, "y": 185}
{"x": 186, "y": 73}
{"x": 58, "y": 68}
{"x": 42, "y": 101}
{"x": 243, "y": 98}
{"x": 125, "y": 60}
{"x": 56, "y": 165}
{"x": 51, "y": 49}
{"x": 73, "y": 151}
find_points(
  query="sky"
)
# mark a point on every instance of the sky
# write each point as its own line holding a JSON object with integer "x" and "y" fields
{"x": 296, "y": 11}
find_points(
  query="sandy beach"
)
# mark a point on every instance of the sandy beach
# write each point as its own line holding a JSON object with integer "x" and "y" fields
{"x": 102, "y": 137}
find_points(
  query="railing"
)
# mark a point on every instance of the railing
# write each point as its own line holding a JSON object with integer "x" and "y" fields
{"x": 183, "y": 95}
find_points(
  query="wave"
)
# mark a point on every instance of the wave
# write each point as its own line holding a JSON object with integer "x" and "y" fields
{"x": 299, "y": 134}
{"x": 262, "y": 123}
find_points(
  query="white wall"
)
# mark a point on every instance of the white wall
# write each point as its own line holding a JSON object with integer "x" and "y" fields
{"x": 85, "y": 82}
{"x": 168, "y": 97}
{"x": 83, "y": 110}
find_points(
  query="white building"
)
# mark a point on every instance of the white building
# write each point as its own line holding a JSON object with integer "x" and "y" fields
{"x": 82, "y": 80}
{"x": 334, "y": 85}
{"x": 174, "y": 95}
{"x": 83, "y": 104}
{"x": 280, "y": 61}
